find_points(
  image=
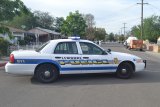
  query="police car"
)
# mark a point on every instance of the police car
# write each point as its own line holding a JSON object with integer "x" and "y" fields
{"x": 72, "y": 56}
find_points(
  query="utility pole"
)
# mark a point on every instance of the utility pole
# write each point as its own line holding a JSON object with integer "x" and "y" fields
{"x": 124, "y": 28}
{"x": 121, "y": 30}
{"x": 142, "y": 31}
{"x": 119, "y": 33}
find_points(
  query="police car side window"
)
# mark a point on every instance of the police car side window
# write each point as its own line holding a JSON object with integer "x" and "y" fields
{"x": 66, "y": 48}
{"x": 91, "y": 49}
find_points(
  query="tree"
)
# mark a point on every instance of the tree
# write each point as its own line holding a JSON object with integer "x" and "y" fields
{"x": 58, "y": 24}
{"x": 24, "y": 21}
{"x": 90, "y": 31}
{"x": 3, "y": 46}
{"x": 11, "y": 8}
{"x": 110, "y": 37}
{"x": 100, "y": 33}
{"x": 44, "y": 19}
{"x": 151, "y": 29}
{"x": 74, "y": 25}
{"x": 89, "y": 18}
{"x": 121, "y": 38}
{"x": 136, "y": 31}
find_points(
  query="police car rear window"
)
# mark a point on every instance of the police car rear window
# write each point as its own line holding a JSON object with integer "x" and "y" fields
{"x": 41, "y": 47}
{"x": 66, "y": 48}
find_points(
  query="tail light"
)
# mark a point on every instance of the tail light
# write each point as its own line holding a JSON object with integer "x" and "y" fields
{"x": 11, "y": 58}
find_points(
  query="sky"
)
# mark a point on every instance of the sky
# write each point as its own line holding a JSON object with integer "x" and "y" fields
{"x": 108, "y": 14}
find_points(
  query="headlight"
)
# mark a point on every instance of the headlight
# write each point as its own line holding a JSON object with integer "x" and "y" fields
{"x": 139, "y": 60}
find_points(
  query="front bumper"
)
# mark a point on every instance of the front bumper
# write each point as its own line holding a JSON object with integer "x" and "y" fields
{"x": 145, "y": 62}
{"x": 140, "y": 66}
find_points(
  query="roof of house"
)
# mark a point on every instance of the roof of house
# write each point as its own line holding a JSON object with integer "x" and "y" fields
{"x": 16, "y": 30}
{"x": 40, "y": 31}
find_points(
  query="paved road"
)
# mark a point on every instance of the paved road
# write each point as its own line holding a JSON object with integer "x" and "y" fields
{"x": 102, "y": 90}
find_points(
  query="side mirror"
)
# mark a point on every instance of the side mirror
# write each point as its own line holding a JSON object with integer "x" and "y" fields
{"x": 109, "y": 50}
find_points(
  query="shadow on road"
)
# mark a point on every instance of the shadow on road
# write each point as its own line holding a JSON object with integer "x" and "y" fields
{"x": 102, "y": 79}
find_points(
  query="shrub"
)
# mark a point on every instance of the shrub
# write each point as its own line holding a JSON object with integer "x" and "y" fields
{"x": 3, "y": 46}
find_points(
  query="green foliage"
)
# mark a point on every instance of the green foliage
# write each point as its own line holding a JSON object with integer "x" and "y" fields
{"x": 3, "y": 46}
{"x": 74, "y": 25}
{"x": 11, "y": 8}
{"x": 121, "y": 38}
{"x": 21, "y": 42}
{"x": 151, "y": 29}
{"x": 27, "y": 40}
{"x": 58, "y": 24}
{"x": 110, "y": 37}
{"x": 24, "y": 21}
{"x": 100, "y": 33}
{"x": 136, "y": 31}
{"x": 4, "y": 29}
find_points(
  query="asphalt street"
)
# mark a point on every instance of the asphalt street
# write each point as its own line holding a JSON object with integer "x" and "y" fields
{"x": 89, "y": 90}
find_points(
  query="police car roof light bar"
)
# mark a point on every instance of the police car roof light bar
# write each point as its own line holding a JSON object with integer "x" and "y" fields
{"x": 74, "y": 38}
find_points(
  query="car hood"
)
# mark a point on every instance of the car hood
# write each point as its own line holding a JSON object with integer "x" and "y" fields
{"x": 124, "y": 56}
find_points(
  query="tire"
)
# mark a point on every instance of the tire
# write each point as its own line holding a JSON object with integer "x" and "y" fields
{"x": 46, "y": 73}
{"x": 140, "y": 49}
{"x": 124, "y": 71}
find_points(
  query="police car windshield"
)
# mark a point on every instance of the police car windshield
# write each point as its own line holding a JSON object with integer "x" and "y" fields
{"x": 41, "y": 47}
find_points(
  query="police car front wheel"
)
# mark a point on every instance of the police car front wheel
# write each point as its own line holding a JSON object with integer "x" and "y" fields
{"x": 125, "y": 70}
{"x": 46, "y": 73}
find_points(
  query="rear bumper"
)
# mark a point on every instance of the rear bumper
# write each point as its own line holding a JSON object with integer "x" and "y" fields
{"x": 21, "y": 69}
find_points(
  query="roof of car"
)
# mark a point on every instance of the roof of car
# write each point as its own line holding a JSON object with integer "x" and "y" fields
{"x": 69, "y": 40}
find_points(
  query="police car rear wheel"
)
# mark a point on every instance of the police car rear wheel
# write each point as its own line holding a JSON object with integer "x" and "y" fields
{"x": 124, "y": 71}
{"x": 46, "y": 73}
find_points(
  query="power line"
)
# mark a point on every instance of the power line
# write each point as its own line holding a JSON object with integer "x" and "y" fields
{"x": 122, "y": 20}
{"x": 154, "y": 7}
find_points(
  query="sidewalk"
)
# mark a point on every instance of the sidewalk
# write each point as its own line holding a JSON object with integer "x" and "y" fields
{"x": 3, "y": 61}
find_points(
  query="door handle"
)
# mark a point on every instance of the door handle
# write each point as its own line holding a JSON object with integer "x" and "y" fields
{"x": 85, "y": 57}
{"x": 57, "y": 57}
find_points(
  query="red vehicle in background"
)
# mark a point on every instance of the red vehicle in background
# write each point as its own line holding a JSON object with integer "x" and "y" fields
{"x": 134, "y": 43}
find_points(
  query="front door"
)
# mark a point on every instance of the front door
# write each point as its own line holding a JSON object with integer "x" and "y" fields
{"x": 95, "y": 60}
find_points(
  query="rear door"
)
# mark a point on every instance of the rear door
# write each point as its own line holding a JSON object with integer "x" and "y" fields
{"x": 67, "y": 55}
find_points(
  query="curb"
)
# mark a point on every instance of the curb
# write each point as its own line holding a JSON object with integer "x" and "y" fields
{"x": 3, "y": 64}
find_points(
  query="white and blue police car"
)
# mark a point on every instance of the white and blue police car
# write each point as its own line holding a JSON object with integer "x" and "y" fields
{"x": 72, "y": 56}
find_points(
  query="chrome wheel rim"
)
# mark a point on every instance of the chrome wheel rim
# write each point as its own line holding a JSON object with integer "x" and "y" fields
{"x": 124, "y": 71}
{"x": 47, "y": 74}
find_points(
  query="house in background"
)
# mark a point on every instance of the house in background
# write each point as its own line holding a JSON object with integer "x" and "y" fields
{"x": 18, "y": 34}
{"x": 44, "y": 35}
{"x": 36, "y": 35}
